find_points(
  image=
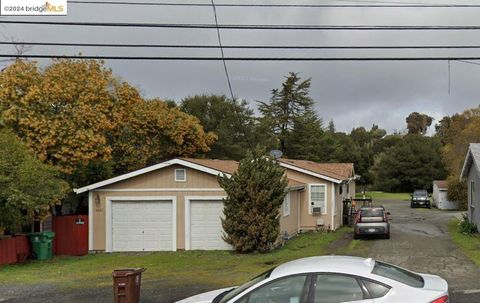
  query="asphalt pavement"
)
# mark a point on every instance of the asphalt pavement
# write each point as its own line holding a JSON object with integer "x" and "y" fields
{"x": 419, "y": 241}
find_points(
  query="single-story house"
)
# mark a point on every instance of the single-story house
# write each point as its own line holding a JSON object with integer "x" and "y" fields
{"x": 177, "y": 204}
{"x": 471, "y": 171}
{"x": 439, "y": 196}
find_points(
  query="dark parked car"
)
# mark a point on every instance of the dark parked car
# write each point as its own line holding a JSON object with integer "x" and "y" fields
{"x": 372, "y": 221}
{"x": 420, "y": 197}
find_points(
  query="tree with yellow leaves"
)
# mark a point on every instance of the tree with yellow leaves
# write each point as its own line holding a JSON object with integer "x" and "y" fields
{"x": 74, "y": 112}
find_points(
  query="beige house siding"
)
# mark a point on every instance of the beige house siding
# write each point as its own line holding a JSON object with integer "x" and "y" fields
{"x": 156, "y": 183}
{"x": 161, "y": 183}
{"x": 307, "y": 220}
{"x": 99, "y": 214}
{"x": 289, "y": 223}
{"x": 165, "y": 178}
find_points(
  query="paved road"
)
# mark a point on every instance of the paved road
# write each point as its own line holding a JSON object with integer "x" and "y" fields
{"x": 419, "y": 241}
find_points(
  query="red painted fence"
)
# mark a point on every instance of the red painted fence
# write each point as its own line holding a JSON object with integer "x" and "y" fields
{"x": 14, "y": 249}
{"x": 71, "y": 235}
{"x": 71, "y": 238}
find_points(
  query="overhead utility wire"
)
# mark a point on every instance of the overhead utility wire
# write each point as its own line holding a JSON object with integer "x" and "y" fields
{"x": 229, "y": 83}
{"x": 221, "y": 52}
{"x": 255, "y": 26}
{"x": 120, "y": 45}
{"x": 277, "y": 5}
{"x": 185, "y": 58}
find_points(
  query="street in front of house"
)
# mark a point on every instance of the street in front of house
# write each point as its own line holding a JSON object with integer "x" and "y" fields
{"x": 419, "y": 241}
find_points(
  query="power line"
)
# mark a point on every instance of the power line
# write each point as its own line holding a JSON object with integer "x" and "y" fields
{"x": 121, "y": 45}
{"x": 186, "y": 58}
{"x": 255, "y": 26}
{"x": 396, "y": 5}
{"x": 221, "y": 51}
{"x": 235, "y": 109}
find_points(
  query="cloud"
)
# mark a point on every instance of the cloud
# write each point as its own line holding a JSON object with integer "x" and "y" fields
{"x": 350, "y": 93}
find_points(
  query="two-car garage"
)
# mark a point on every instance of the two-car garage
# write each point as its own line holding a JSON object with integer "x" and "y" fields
{"x": 149, "y": 223}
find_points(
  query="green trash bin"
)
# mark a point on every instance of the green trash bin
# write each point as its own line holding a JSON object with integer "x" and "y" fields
{"x": 42, "y": 245}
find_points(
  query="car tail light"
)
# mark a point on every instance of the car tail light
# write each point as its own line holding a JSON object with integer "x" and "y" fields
{"x": 443, "y": 299}
{"x": 359, "y": 219}
{"x": 385, "y": 217}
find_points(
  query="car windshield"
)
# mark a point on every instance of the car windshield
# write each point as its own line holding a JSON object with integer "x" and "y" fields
{"x": 420, "y": 193}
{"x": 226, "y": 296}
{"x": 398, "y": 274}
{"x": 372, "y": 212}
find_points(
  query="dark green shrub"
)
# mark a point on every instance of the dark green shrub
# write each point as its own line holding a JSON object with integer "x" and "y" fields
{"x": 467, "y": 227}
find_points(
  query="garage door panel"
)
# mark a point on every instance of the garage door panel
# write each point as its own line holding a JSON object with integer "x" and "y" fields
{"x": 142, "y": 225}
{"x": 206, "y": 225}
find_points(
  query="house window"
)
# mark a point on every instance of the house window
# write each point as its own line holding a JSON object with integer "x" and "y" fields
{"x": 318, "y": 197}
{"x": 286, "y": 205}
{"x": 340, "y": 189}
{"x": 180, "y": 175}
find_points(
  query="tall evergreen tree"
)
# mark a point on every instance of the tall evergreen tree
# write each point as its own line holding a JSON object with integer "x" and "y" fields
{"x": 255, "y": 193}
{"x": 305, "y": 139}
{"x": 413, "y": 163}
{"x": 286, "y": 104}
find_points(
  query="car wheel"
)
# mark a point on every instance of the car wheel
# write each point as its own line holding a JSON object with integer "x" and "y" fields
{"x": 411, "y": 205}
{"x": 428, "y": 206}
{"x": 355, "y": 236}
{"x": 387, "y": 236}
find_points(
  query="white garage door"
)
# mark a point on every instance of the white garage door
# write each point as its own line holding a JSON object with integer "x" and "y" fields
{"x": 206, "y": 225}
{"x": 142, "y": 225}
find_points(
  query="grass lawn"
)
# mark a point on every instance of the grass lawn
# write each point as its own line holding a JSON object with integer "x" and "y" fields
{"x": 387, "y": 196}
{"x": 469, "y": 244}
{"x": 222, "y": 268}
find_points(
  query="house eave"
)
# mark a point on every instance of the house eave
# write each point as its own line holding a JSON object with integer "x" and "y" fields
{"x": 147, "y": 170}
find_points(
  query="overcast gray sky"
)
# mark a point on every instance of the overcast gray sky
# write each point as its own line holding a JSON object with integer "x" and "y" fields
{"x": 351, "y": 93}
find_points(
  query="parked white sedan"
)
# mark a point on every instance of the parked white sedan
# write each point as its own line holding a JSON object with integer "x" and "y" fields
{"x": 333, "y": 279}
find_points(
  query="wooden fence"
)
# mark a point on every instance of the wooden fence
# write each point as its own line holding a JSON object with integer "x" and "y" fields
{"x": 14, "y": 249}
{"x": 71, "y": 238}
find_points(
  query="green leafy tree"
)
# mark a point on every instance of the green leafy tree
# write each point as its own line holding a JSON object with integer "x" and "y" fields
{"x": 28, "y": 188}
{"x": 413, "y": 163}
{"x": 305, "y": 139}
{"x": 365, "y": 142}
{"x": 232, "y": 122}
{"x": 418, "y": 123}
{"x": 457, "y": 132}
{"x": 255, "y": 193}
{"x": 286, "y": 105}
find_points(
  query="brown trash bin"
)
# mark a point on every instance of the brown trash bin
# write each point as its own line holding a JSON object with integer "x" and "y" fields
{"x": 126, "y": 285}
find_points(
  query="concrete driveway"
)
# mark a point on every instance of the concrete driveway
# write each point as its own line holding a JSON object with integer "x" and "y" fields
{"x": 420, "y": 241}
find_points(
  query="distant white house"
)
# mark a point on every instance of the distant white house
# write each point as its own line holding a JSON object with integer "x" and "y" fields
{"x": 439, "y": 196}
{"x": 471, "y": 171}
